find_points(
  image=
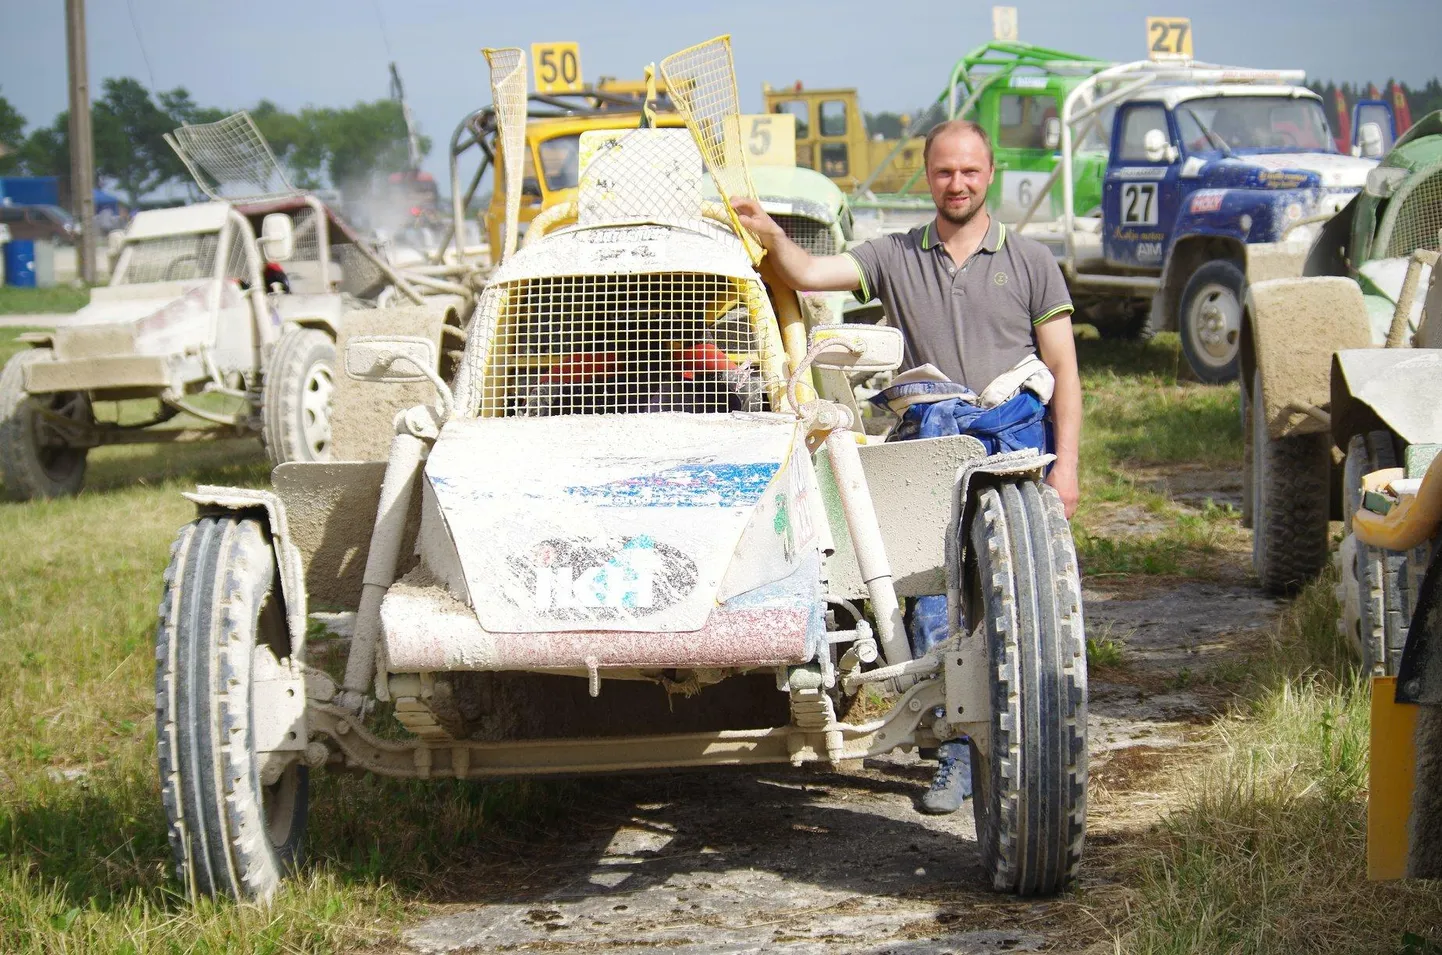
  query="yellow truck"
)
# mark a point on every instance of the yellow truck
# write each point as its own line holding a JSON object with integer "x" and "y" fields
{"x": 831, "y": 137}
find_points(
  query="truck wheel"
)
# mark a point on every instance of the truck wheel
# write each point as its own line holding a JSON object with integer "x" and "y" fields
{"x": 298, "y": 386}
{"x": 36, "y": 460}
{"x": 1290, "y": 503}
{"x": 1380, "y": 628}
{"x": 1031, "y": 782}
{"x": 231, "y": 834}
{"x": 1210, "y": 321}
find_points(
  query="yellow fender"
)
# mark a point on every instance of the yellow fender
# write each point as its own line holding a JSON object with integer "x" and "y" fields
{"x": 1412, "y": 520}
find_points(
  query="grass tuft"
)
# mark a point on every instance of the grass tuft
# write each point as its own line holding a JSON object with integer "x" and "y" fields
{"x": 1267, "y": 852}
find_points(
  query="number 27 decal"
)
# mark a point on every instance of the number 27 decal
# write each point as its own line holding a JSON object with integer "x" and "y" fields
{"x": 1139, "y": 203}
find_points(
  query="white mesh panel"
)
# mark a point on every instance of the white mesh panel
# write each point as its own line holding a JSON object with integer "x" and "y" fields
{"x": 632, "y": 175}
{"x": 171, "y": 258}
{"x": 1417, "y": 219}
{"x": 702, "y": 85}
{"x": 508, "y": 95}
{"x": 230, "y": 159}
{"x": 622, "y": 344}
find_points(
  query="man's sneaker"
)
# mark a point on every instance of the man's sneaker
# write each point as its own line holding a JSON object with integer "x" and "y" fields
{"x": 952, "y": 783}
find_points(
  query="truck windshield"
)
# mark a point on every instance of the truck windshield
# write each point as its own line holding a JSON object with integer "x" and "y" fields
{"x": 1253, "y": 123}
{"x": 560, "y": 162}
{"x": 169, "y": 258}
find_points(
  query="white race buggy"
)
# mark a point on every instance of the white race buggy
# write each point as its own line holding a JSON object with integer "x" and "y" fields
{"x": 630, "y": 537}
{"x": 227, "y": 310}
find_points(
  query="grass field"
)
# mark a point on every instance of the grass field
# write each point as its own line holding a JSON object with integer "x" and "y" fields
{"x": 61, "y": 299}
{"x": 1248, "y": 863}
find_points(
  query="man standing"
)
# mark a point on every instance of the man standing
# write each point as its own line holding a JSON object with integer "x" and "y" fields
{"x": 973, "y": 300}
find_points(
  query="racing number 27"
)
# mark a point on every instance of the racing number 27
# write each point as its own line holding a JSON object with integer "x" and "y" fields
{"x": 1139, "y": 203}
{"x": 1169, "y": 36}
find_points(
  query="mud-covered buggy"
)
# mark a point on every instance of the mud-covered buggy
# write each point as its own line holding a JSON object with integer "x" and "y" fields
{"x": 629, "y": 537}
{"x": 222, "y": 315}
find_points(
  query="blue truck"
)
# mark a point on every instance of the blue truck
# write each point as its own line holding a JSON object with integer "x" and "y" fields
{"x": 1215, "y": 177}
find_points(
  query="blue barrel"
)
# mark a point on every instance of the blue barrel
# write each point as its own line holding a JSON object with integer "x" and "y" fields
{"x": 20, "y": 263}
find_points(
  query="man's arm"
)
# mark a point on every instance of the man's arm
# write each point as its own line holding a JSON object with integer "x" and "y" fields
{"x": 1058, "y": 350}
{"x": 798, "y": 268}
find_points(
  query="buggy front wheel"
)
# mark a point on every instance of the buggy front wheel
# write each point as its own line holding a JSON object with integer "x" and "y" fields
{"x": 232, "y": 833}
{"x": 1030, "y": 782}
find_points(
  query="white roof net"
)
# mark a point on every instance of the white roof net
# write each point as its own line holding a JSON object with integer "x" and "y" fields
{"x": 702, "y": 84}
{"x": 229, "y": 159}
{"x": 508, "y": 95}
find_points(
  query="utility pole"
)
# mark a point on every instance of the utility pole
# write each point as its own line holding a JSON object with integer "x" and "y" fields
{"x": 82, "y": 144}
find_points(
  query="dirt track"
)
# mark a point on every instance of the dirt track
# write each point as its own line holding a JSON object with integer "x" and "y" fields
{"x": 801, "y": 861}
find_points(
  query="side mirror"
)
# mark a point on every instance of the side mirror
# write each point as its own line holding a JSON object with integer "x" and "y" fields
{"x": 277, "y": 237}
{"x": 1157, "y": 147}
{"x": 1053, "y": 133}
{"x": 857, "y": 349}
{"x": 399, "y": 359}
{"x": 114, "y": 242}
{"x": 1369, "y": 141}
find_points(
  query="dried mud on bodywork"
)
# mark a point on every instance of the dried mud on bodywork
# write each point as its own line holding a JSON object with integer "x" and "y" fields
{"x": 804, "y": 861}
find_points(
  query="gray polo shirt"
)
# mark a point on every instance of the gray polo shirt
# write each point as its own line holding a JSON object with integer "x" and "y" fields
{"x": 972, "y": 321}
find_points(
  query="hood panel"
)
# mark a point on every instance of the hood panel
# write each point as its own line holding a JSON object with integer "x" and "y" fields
{"x": 602, "y": 522}
{"x": 1336, "y": 170}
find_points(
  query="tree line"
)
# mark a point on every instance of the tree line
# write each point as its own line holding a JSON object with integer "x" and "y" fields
{"x": 318, "y": 146}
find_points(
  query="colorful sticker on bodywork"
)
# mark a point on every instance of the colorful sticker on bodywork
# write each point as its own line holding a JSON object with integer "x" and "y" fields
{"x": 601, "y": 580}
{"x": 1207, "y": 200}
{"x": 686, "y": 485}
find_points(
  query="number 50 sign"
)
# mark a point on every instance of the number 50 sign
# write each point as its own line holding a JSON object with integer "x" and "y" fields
{"x": 557, "y": 67}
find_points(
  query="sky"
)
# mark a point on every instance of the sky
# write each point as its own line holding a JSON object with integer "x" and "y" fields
{"x": 335, "y": 52}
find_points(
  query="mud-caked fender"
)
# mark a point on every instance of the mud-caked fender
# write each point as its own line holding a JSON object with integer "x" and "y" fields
{"x": 971, "y": 477}
{"x": 1291, "y": 329}
{"x": 210, "y": 499}
{"x": 1393, "y": 389}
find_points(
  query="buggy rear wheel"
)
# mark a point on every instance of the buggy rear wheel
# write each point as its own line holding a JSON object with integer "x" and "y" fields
{"x": 1379, "y": 626}
{"x": 232, "y": 835}
{"x": 37, "y": 458}
{"x": 296, "y": 403}
{"x": 1030, "y": 785}
{"x": 1289, "y": 486}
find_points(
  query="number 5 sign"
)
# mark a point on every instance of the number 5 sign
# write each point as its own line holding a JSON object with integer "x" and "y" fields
{"x": 1169, "y": 38}
{"x": 557, "y": 67}
{"x": 767, "y": 139}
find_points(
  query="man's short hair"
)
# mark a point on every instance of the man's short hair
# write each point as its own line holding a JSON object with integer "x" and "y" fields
{"x": 954, "y": 126}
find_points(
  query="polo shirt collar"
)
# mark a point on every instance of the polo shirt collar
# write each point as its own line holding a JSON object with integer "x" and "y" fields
{"x": 994, "y": 240}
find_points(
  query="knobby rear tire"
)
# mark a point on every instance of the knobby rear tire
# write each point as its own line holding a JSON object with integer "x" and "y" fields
{"x": 31, "y": 464}
{"x": 1290, "y": 502}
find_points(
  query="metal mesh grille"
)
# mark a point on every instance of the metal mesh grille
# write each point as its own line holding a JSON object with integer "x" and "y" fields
{"x": 702, "y": 84}
{"x": 622, "y": 344}
{"x": 359, "y": 275}
{"x": 639, "y": 174}
{"x": 307, "y": 237}
{"x": 230, "y": 159}
{"x": 508, "y": 94}
{"x": 815, "y": 237}
{"x": 172, "y": 258}
{"x": 1417, "y": 220}
{"x": 237, "y": 265}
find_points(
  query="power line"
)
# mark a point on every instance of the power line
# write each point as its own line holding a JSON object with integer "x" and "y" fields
{"x": 385, "y": 35}
{"x": 130, "y": 5}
